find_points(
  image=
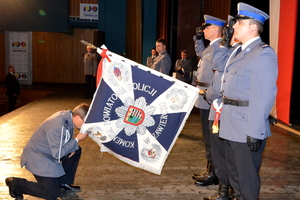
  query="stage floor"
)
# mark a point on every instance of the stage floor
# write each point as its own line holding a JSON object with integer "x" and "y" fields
{"x": 102, "y": 176}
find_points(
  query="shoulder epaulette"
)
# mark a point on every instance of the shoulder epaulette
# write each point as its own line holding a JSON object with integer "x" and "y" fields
{"x": 264, "y": 45}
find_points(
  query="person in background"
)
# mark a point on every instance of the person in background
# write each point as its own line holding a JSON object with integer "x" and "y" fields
{"x": 162, "y": 62}
{"x": 183, "y": 67}
{"x": 90, "y": 68}
{"x": 151, "y": 58}
{"x": 248, "y": 88}
{"x": 12, "y": 87}
{"x": 52, "y": 156}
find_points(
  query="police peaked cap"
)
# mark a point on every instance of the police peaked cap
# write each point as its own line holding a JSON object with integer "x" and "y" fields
{"x": 210, "y": 20}
{"x": 246, "y": 11}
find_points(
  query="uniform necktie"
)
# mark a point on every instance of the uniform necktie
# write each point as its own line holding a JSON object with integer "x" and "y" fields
{"x": 238, "y": 51}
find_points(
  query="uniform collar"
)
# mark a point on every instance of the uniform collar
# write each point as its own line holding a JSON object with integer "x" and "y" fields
{"x": 249, "y": 42}
{"x": 213, "y": 41}
{"x": 163, "y": 53}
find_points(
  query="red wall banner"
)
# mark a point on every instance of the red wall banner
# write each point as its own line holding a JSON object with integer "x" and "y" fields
{"x": 286, "y": 49}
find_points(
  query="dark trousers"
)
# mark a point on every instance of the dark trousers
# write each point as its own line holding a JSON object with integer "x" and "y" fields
{"x": 206, "y": 133}
{"x": 11, "y": 102}
{"x": 49, "y": 187}
{"x": 218, "y": 155}
{"x": 243, "y": 169}
{"x": 90, "y": 81}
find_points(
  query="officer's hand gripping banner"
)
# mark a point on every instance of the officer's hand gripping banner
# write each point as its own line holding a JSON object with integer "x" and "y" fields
{"x": 137, "y": 113}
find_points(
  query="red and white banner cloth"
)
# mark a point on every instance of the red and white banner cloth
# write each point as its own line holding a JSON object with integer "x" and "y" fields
{"x": 284, "y": 14}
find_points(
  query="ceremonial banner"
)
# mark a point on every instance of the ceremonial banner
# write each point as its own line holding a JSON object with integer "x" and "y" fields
{"x": 137, "y": 113}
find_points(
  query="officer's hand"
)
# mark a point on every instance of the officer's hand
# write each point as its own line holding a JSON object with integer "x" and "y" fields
{"x": 203, "y": 93}
{"x": 226, "y": 37}
{"x": 81, "y": 136}
{"x": 71, "y": 154}
{"x": 199, "y": 32}
{"x": 272, "y": 120}
{"x": 254, "y": 143}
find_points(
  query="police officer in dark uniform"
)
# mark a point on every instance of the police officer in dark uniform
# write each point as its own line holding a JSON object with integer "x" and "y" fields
{"x": 249, "y": 91}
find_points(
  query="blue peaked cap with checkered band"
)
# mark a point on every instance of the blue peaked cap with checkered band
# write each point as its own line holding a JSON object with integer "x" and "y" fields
{"x": 246, "y": 11}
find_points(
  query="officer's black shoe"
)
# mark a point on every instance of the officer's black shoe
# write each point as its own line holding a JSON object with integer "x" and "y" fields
{"x": 217, "y": 197}
{"x": 210, "y": 179}
{"x": 70, "y": 187}
{"x": 9, "y": 182}
{"x": 197, "y": 176}
{"x": 222, "y": 194}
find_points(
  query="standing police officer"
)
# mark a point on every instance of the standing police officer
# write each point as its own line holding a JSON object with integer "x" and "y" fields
{"x": 214, "y": 97}
{"x": 210, "y": 60}
{"x": 249, "y": 91}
